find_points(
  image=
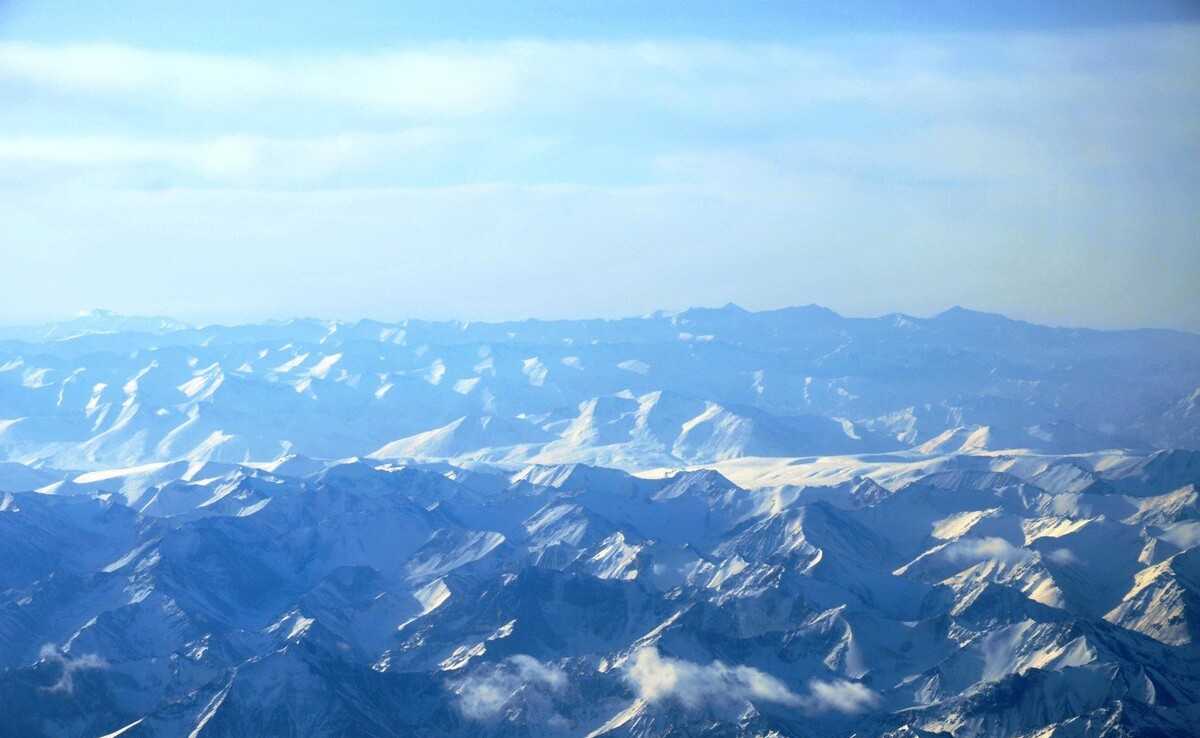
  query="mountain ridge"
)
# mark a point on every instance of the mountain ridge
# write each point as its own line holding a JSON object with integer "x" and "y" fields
{"x": 169, "y": 325}
{"x": 729, "y": 383}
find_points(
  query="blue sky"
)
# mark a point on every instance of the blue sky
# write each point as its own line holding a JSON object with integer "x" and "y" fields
{"x": 215, "y": 162}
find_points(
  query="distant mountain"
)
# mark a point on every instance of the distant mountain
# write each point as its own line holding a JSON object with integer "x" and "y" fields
{"x": 92, "y": 321}
{"x": 698, "y": 386}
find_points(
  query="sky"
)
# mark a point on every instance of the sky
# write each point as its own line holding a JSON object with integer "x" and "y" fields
{"x": 218, "y": 162}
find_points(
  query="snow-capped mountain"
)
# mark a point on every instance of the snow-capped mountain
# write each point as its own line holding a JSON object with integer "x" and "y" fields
{"x": 716, "y": 522}
{"x": 700, "y": 386}
{"x": 923, "y": 595}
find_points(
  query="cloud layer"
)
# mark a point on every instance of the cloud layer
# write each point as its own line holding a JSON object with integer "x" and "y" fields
{"x": 945, "y": 113}
{"x": 869, "y": 173}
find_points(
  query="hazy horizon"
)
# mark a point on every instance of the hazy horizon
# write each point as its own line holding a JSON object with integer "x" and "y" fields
{"x": 202, "y": 323}
{"x": 374, "y": 160}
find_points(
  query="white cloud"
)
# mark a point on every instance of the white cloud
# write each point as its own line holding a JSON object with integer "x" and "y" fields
{"x": 842, "y": 696}
{"x": 487, "y": 691}
{"x": 69, "y": 665}
{"x": 657, "y": 677}
{"x": 238, "y": 158}
{"x": 445, "y": 81}
{"x": 985, "y": 549}
{"x": 1062, "y": 556}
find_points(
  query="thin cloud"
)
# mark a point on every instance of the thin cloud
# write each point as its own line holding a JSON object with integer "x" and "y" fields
{"x": 418, "y": 82}
{"x": 1064, "y": 556}
{"x": 716, "y": 80}
{"x": 484, "y": 694}
{"x": 841, "y": 696}
{"x": 69, "y": 665}
{"x": 235, "y": 158}
{"x": 946, "y": 119}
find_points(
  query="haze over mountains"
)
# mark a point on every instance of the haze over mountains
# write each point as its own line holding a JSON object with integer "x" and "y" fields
{"x": 715, "y": 522}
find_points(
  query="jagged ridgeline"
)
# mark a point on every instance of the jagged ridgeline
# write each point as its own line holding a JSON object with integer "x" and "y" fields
{"x": 719, "y": 523}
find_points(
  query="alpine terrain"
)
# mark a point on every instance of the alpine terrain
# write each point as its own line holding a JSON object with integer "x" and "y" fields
{"x": 782, "y": 524}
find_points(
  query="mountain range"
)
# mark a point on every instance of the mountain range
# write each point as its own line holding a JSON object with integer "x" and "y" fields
{"x": 784, "y": 524}
{"x": 695, "y": 387}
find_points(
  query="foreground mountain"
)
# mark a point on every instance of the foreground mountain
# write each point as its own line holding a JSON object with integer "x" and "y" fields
{"x": 973, "y": 595}
{"x": 700, "y": 386}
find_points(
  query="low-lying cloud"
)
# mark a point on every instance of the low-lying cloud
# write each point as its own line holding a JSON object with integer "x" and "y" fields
{"x": 840, "y": 695}
{"x": 69, "y": 665}
{"x": 1062, "y": 556}
{"x": 986, "y": 549}
{"x": 657, "y": 677}
{"x": 485, "y": 693}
